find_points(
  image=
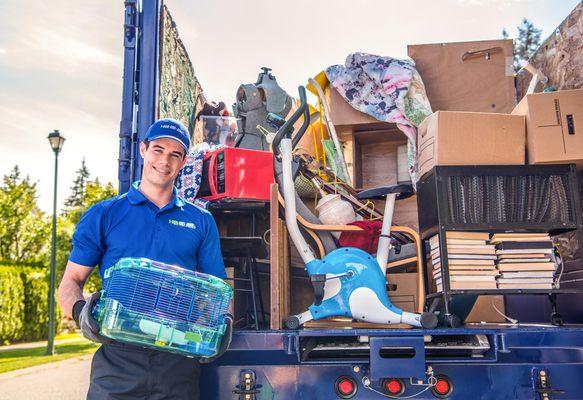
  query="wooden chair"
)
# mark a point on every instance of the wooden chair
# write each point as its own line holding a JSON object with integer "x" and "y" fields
{"x": 311, "y": 230}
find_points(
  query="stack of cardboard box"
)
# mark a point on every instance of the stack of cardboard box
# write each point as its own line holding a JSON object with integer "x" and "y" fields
{"x": 546, "y": 125}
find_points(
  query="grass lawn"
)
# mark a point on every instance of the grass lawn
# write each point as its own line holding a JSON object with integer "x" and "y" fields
{"x": 22, "y": 358}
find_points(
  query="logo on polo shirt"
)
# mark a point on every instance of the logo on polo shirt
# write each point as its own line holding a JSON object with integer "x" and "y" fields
{"x": 189, "y": 225}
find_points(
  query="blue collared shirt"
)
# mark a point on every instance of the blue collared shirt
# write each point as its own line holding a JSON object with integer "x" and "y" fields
{"x": 130, "y": 225}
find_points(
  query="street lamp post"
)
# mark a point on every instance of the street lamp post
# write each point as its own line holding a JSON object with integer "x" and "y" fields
{"x": 56, "y": 141}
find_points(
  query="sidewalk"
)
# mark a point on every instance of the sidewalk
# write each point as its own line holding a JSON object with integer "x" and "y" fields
{"x": 61, "y": 380}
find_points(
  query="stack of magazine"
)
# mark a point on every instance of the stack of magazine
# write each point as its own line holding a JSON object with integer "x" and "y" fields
{"x": 471, "y": 261}
{"x": 524, "y": 260}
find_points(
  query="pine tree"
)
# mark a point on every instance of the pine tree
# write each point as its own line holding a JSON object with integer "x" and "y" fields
{"x": 526, "y": 42}
{"x": 23, "y": 227}
{"x": 77, "y": 195}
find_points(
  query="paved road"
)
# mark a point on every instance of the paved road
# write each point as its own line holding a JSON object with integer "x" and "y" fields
{"x": 62, "y": 380}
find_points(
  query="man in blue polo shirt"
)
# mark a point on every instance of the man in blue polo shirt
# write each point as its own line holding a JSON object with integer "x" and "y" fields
{"x": 149, "y": 221}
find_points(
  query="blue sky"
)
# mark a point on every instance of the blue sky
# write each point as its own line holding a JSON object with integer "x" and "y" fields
{"x": 61, "y": 61}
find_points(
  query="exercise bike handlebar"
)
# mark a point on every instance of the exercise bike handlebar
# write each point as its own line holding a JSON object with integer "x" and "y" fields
{"x": 306, "y": 121}
{"x": 287, "y": 128}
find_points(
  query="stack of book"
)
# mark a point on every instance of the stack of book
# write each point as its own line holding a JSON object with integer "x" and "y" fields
{"x": 524, "y": 260}
{"x": 471, "y": 261}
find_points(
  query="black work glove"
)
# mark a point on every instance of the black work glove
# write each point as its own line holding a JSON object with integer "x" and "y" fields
{"x": 224, "y": 343}
{"x": 87, "y": 323}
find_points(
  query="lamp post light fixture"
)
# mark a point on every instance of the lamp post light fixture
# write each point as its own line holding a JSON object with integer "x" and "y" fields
{"x": 56, "y": 141}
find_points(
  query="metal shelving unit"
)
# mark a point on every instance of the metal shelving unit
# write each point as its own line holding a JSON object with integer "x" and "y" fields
{"x": 524, "y": 199}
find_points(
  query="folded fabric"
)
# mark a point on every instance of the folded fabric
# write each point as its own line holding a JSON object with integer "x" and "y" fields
{"x": 380, "y": 87}
{"x": 367, "y": 239}
{"x": 190, "y": 177}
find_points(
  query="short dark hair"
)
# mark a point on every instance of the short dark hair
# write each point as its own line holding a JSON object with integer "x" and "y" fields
{"x": 147, "y": 143}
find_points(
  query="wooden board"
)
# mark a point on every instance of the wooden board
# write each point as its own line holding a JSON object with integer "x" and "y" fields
{"x": 274, "y": 260}
{"x": 343, "y": 323}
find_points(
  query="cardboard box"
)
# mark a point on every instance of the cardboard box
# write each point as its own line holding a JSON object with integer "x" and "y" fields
{"x": 467, "y": 138}
{"x": 484, "y": 311}
{"x": 554, "y": 127}
{"x": 405, "y": 294}
{"x": 467, "y": 76}
{"x": 342, "y": 113}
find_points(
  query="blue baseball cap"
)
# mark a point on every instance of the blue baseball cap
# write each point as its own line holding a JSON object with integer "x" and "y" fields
{"x": 171, "y": 129}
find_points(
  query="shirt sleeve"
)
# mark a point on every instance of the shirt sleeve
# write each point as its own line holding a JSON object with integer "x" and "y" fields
{"x": 88, "y": 245}
{"x": 210, "y": 259}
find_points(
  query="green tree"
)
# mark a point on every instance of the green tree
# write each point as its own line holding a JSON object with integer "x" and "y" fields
{"x": 526, "y": 42}
{"x": 77, "y": 195}
{"x": 94, "y": 192}
{"x": 24, "y": 228}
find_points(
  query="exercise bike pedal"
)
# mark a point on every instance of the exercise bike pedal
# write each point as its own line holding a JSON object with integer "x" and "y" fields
{"x": 292, "y": 322}
{"x": 429, "y": 320}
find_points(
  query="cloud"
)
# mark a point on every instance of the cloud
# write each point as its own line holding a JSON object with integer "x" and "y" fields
{"x": 71, "y": 51}
{"x": 499, "y": 3}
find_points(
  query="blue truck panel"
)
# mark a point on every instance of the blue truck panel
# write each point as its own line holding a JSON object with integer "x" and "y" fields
{"x": 509, "y": 370}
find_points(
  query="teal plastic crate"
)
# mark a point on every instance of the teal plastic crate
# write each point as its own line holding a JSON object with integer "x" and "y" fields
{"x": 151, "y": 304}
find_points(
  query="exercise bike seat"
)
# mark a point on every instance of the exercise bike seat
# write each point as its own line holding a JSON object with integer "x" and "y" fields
{"x": 403, "y": 191}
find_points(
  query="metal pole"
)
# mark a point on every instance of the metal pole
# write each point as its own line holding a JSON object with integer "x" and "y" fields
{"x": 51, "y": 339}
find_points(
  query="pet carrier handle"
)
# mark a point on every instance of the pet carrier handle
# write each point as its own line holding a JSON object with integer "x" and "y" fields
{"x": 212, "y": 172}
{"x": 287, "y": 127}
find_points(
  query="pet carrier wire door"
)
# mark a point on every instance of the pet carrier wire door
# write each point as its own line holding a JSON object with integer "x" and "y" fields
{"x": 151, "y": 304}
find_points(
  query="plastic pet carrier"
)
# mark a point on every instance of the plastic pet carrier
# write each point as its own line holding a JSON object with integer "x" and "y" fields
{"x": 160, "y": 306}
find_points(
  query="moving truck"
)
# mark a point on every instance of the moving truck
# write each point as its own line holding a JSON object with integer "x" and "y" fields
{"x": 496, "y": 361}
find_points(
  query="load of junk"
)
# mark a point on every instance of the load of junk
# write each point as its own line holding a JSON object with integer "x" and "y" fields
{"x": 415, "y": 193}
{"x": 377, "y": 121}
{"x": 430, "y": 167}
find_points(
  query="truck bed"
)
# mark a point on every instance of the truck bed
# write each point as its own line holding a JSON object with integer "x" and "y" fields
{"x": 481, "y": 362}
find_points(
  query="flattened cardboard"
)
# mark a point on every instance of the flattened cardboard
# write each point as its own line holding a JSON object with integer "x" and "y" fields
{"x": 466, "y": 138}
{"x": 554, "y": 127}
{"x": 467, "y": 76}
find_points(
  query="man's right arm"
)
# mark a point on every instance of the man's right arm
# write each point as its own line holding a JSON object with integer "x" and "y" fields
{"x": 71, "y": 287}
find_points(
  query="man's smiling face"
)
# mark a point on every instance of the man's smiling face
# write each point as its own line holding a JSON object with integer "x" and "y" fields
{"x": 163, "y": 160}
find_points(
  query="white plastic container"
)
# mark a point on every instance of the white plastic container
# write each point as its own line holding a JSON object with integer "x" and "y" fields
{"x": 332, "y": 210}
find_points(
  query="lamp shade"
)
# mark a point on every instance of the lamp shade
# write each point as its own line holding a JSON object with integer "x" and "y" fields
{"x": 56, "y": 140}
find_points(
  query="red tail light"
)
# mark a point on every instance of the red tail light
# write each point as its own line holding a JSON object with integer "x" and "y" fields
{"x": 345, "y": 387}
{"x": 443, "y": 387}
{"x": 393, "y": 386}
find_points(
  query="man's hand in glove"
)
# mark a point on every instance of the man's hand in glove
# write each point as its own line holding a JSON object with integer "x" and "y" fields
{"x": 224, "y": 343}
{"x": 82, "y": 315}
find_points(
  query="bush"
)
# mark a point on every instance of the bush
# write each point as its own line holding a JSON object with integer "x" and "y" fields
{"x": 36, "y": 307}
{"x": 11, "y": 304}
{"x": 24, "y": 308}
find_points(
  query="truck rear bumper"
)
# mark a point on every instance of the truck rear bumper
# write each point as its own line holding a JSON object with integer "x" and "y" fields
{"x": 307, "y": 364}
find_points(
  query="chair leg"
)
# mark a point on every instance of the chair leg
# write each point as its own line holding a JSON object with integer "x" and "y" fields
{"x": 259, "y": 295}
{"x": 253, "y": 300}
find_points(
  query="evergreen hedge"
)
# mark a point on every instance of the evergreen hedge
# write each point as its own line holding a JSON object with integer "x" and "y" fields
{"x": 24, "y": 308}
{"x": 11, "y": 304}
